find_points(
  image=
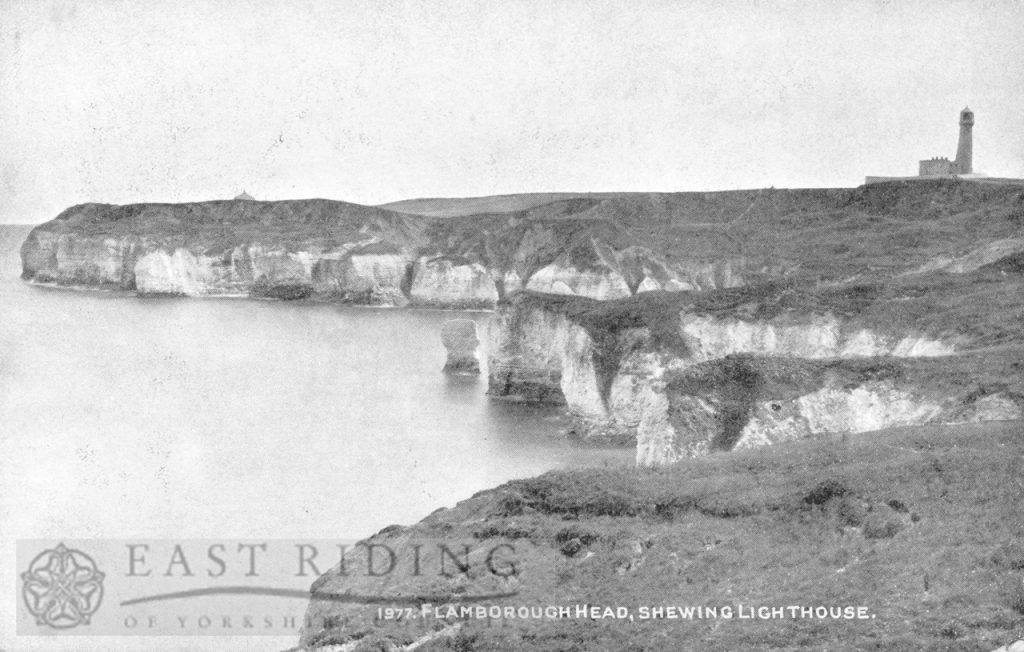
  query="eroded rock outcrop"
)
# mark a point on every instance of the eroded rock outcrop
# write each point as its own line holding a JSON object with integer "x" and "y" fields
{"x": 988, "y": 254}
{"x": 805, "y": 336}
{"x": 83, "y": 261}
{"x": 370, "y": 275}
{"x": 460, "y": 340}
{"x": 527, "y": 349}
{"x": 613, "y": 274}
{"x": 692, "y": 373}
{"x": 444, "y": 283}
{"x": 743, "y": 401}
{"x": 601, "y": 285}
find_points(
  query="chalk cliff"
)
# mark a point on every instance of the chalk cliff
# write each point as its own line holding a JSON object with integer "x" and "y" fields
{"x": 459, "y": 337}
{"x": 336, "y": 251}
{"x": 689, "y": 373}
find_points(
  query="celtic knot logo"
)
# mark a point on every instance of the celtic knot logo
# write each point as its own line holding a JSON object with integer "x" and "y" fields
{"x": 62, "y": 587}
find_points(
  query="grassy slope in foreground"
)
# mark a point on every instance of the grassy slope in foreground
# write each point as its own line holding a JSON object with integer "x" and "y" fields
{"x": 924, "y": 526}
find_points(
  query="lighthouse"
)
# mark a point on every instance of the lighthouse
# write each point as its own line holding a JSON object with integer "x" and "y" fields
{"x": 962, "y": 167}
{"x": 940, "y": 166}
{"x": 963, "y": 163}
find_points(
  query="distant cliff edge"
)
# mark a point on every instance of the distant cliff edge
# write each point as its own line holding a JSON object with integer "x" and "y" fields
{"x": 336, "y": 251}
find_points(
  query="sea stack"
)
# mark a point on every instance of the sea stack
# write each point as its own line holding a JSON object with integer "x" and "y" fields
{"x": 459, "y": 337}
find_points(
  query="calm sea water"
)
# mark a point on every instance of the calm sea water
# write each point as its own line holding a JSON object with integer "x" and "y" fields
{"x": 186, "y": 418}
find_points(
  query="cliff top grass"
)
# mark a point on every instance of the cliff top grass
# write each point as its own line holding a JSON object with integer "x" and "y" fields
{"x": 224, "y": 224}
{"x": 954, "y": 380}
{"x": 923, "y": 526}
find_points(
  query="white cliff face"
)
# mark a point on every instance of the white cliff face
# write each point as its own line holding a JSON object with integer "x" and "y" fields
{"x": 637, "y": 390}
{"x": 651, "y": 285}
{"x": 526, "y": 349}
{"x": 609, "y": 281}
{"x": 366, "y": 271}
{"x": 535, "y": 352}
{"x": 512, "y": 282}
{"x": 709, "y": 338}
{"x": 656, "y": 437}
{"x": 357, "y": 271}
{"x": 374, "y": 279}
{"x": 643, "y": 270}
{"x": 440, "y": 282}
{"x": 540, "y": 355}
{"x": 279, "y": 267}
{"x": 70, "y": 259}
{"x": 717, "y": 275}
{"x": 240, "y": 272}
{"x": 100, "y": 257}
{"x": 662, "y": 441}
{"x": 460, "y": 340}
{"x": 867, "y": 407}
{"x": 183, "y": 273}
{"x": 579, "y": 382}
{"x": 994, "y": 407}
{"x": 601, "y": 285}
{"x": 697, "y": 423}
{"x": 345, "y": 273}
{"x": 817, "y": 337}
{"x": 921, "y": 347}
{"x": 544, "y": 346}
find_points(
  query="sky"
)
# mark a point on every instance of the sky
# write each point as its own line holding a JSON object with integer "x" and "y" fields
{"x": 376, "y": 101}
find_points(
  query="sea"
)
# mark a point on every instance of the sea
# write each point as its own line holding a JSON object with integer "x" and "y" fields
{"x": 178, "y": 418}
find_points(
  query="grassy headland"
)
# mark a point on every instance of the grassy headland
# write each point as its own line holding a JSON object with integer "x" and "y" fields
{"x": 923, "y": 526}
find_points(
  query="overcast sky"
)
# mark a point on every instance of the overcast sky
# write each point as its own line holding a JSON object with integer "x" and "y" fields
{"x": 377, "y": 101}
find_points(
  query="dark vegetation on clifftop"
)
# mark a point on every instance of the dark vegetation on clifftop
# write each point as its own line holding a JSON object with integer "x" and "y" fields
{"x": 217, "y": 225}
{"x": 924, "y": 526}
